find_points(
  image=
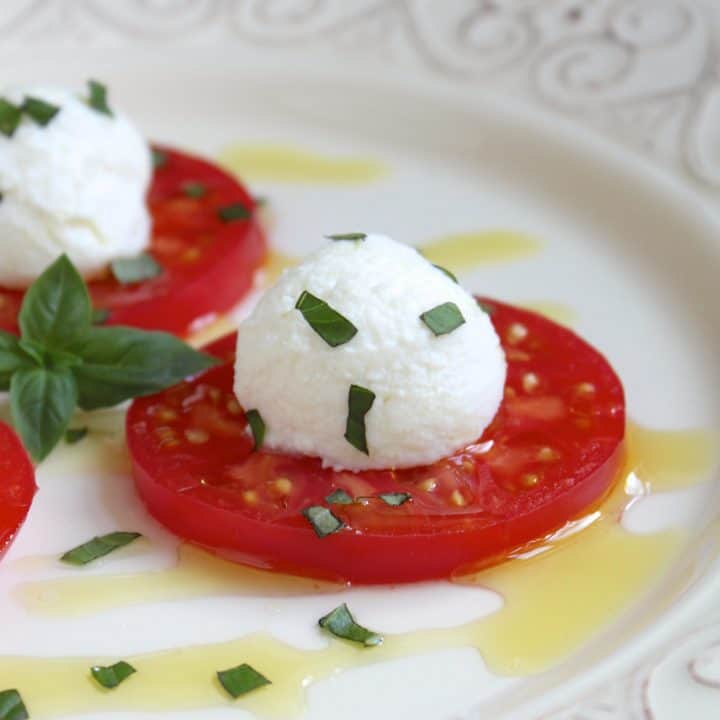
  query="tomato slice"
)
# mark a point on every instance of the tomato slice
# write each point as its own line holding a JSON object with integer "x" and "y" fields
{"x": 17, "y": 486}
{"x": 208, "y": 263}
{"x": 552, "y": 451}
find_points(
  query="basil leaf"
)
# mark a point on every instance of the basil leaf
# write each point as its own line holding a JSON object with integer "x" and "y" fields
{"x": 120, "y": 363}
{"x": 241, "y": 680}
{"x": 341, "y": 623}
{"x": 12, "y": 358}
{"x": 56, "y": 308}
{"x": 42, "y": 402}
{"x": 395, "y": 498}
{"x": 339, "y": 497}
{"x": 257, "y": 427}
{"x": 97, "y": 98}
{"x": 159, "y": 158}
{"x": 111, "y": 676}
{"x": 100, "y": 316}
{"x": 194, "y": 189}
{"x": 98, "y": 547}
{"x": 133, "y": 270}
{"x": 443, "y": 319}
{"x": 347, "y": 236}
{"x": 236, "y": 211}
{"x": 75, "y": 435}
{"x": 329, "y": 324}
{"x": 360, "y": 400}
{"x": 12, "y": 706}
{"x": 10, "y": 117}
{"x": 323, "y": 521}
{"x": 40, "y": 111}
{"x": 445, "y": 271}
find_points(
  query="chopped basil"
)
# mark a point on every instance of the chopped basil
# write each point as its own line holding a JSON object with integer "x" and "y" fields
{"x": 395, "y": 498}
{"x": 241, "y": 680}
{"x": 329, "y": 324}
{"x": 323, "y": 521}
{"x": 75, "y": 435}
{"x": 40, "y": 111}
{"x": 111, "y": 676}
{"x": 443, "y": 319}
{"x": 257, "y": 427}
{"x": 339, "y": 497}
{"x": 100, "y": 316}
{"x": 97, "y": 98}
{"x": 132, "y": 270}
{"x": 486, "y": 307}
{"x": 236, "y": 211}
{"x": 10, "y": 117}
{"x": 98, "y": 547}
{"x": 360, "y": 400}
{"x": 347, "y": 236}
{"x": 446, "y": 272}
{"x": 12, "y": 706}
{"x": 341, "y": 623}
{"x": 159, "y": 158}
{"x": 194, "y": 189}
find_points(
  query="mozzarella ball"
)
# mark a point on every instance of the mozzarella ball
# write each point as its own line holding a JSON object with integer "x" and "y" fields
{"x": 434, "y": 394}
{"x": 77, "y": 185}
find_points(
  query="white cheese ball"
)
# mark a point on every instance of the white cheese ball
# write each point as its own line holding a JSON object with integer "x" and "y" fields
{"x": 434, "y": 394}
{"x": 76, "y": 186}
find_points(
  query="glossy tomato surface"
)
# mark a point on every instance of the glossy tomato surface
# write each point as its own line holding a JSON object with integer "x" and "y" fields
{"x": 552, "y": 451}
{"x": 17, "y": 486}
{"x": 208, "y": 263}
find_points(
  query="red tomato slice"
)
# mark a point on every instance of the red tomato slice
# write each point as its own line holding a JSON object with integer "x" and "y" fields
{"x": 552, "y": 451}
{"x": 208, "y": 263}
{"x": 17, "y": 486}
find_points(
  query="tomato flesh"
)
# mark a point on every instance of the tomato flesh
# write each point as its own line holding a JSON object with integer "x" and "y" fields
{"x": 208, "y": 264}
{"x": 552, "y": 451}
{"x": 17, "y": 486}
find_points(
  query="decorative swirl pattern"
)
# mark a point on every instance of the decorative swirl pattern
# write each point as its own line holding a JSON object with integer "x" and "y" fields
{"x": 646, "y": 72}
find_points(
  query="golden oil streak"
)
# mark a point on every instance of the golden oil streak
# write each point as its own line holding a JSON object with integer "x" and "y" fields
{"x": 555, "y": 600}
{"x": 197, "y": 574}
{"x": 464, "y": 251}
{"x": 289, "y": 164}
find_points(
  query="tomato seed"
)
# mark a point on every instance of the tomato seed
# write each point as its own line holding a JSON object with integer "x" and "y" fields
{"x": 547, "y": 454}
{"x": 428, "y": 485}
{"x": 530, "y": 480}
{"x": 516, "y": 333}
{"x": 530, "y": 382}
{"x": 196, "y": 436}
{"x": 282, "y": 485}
{"x": 458, "y": 499}
{"x": 233, "y": 406}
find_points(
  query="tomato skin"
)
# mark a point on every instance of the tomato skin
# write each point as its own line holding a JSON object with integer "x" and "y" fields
{"x": 17, "y": 486}
{"x": 208, "y": 265}
{"x": 552, "y": 452}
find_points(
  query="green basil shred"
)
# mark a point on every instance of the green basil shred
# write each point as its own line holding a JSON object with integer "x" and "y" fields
{"x": 98, "y": 547}
{"x": 97, "y": 98}
{"x": 236, "y": 211}
{"x": 257, "y": 427}
{"x": 342, "y": 624}
{"x": 339, "y": 497}
{"x": 12, "y": 706}
{"x": 327, "y": 322}
{"x": 360, "y": 401}
{"x": 241, "y": 680}
{"x": 112, "y": 675}
{"x": 40, "y": 111}
{"x": 322, "y": 520}
{"x": 443, "y": 319}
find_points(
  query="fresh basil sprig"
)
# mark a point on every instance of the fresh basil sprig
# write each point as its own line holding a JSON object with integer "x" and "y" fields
{"x": 62, "y": 360}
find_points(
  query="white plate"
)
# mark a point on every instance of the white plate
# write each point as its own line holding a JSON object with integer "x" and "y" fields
{"x": 629, "y": 250}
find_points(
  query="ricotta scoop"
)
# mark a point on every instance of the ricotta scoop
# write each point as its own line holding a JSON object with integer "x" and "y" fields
{"x": 76, "y": 185}
{"x": 434, "y": 394}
